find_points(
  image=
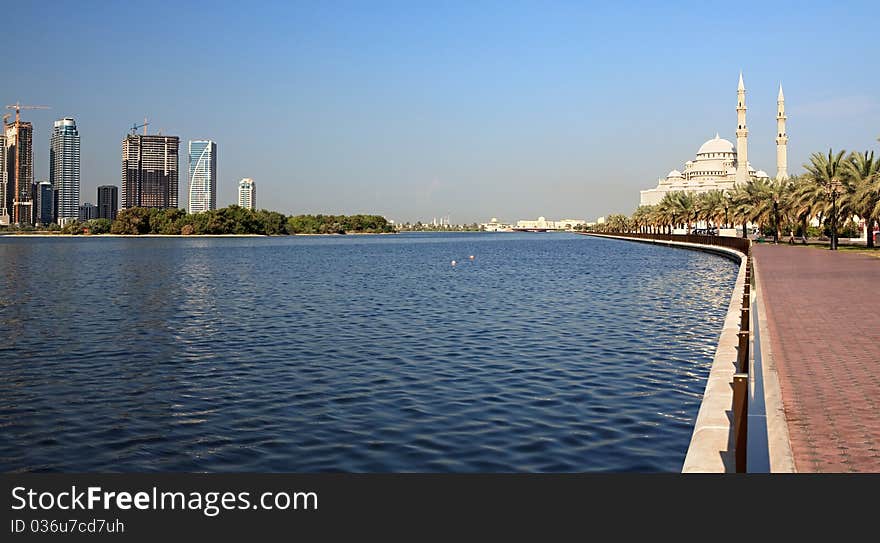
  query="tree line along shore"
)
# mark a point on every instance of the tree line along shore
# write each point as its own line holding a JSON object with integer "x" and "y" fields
{"x": 225, "y": 221}
{"x": 834, "y": 190}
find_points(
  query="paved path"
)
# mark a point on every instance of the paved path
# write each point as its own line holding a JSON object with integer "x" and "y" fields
{"x": 823, "y": 312}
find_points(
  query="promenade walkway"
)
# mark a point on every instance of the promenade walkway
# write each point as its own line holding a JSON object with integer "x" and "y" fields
{"x": 823, "y": 313}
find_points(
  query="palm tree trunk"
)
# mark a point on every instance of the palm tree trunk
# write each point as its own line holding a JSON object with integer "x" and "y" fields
{"x": 869, "y": 228}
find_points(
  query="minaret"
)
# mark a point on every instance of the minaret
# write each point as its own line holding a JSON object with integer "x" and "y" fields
{"x": 742, "y": 134}
{"x": 781, "y": 138}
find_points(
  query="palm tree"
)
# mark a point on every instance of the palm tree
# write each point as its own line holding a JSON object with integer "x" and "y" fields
{"x": 667, "y": 210}
{"x": 686, "y": 207}
{"x": 740, "y": 200}
{"x": 770, "y": 203}
{"x": 641, "y": 218}
{"x": 863, "y": 198}
{"x": 829, "y": 173}
{"x": 711, "y": 207}
{"x": 807, "y": 201}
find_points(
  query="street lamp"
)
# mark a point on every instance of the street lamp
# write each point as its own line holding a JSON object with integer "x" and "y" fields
{"x": 832, "y": 190}
{"x": 776, "y": 218}
{"x": 727, "y": 199}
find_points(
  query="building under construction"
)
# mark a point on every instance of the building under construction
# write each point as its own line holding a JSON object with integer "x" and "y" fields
{"x": 4, "y": 179}
{"x": 149, "y": 171}
{"x": 20, "y": 172}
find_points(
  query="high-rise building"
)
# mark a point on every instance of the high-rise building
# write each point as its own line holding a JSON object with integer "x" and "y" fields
{"x": 20, "y": 171}
{"x": 4, "y": 211}
{"x": 64, "y": 169}
{"x": 87, "y": 212}
{"x": 45, "y": 203}
{"x": 108, "y": 198}
{"x": 149, "y": 171}
{"x": 202, "y": 176}
{"x": 247, "y": 193}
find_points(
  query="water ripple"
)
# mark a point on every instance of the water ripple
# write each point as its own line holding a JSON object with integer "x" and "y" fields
{"x": 369, "y": 354}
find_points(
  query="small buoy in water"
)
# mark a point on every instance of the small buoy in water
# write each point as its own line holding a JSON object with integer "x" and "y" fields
{"x": 453, "y": 262}
{"x": 471, "y": 257}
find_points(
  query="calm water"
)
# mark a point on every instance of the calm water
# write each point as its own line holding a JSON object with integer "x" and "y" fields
{"x": 547, "y": 352}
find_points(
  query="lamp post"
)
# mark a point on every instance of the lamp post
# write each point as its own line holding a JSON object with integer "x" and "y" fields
{"x": 832, "y": 189}
{"x": 776, "y": 219}
{"x": 726, "y": 208}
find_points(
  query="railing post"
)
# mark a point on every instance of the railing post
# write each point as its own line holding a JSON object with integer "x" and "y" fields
{"x": 742, "y": 353}
{"x": 744, "y": 319}
{"x": 740, "y": 419}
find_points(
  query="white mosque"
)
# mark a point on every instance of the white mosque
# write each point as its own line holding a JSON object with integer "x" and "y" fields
{"x": 718, "y": 166}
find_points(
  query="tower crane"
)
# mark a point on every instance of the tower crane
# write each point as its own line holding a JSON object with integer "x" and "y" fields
{"x": 134, "y": 127}
{"x": 18, "y": 107}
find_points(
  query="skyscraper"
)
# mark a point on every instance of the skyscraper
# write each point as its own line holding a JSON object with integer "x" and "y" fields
{"x": 108, "y": 198}
{"x": 64, "y": 172}
{"x": 149, "y": 171}
{"x": 20, "y": 171}
{"x": 45, "y": 204}
{"x": 202, "y": 175}
{"x": 4, "y": 211}
{"x": 247, "y": 193}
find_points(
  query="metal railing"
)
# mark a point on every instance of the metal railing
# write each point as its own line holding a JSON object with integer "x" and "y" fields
{"x": 741, "y": 377}
{"x": 740, "y": 382}
{"x": 739, "y": 244}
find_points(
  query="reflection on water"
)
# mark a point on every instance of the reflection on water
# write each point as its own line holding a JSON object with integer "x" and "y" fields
{"x": 362, "y": 353}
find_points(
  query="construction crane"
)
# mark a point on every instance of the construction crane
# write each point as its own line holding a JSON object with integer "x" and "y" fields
{"x": 18, "y": 107}
{"x": 134, "y": 127}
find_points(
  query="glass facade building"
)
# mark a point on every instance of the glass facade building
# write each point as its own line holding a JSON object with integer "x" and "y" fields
{"x": 108, "y": 201}
{"x": 45, "y": 208}
{"x": 202, "y": 176}
{"x": 87, "y": 212}
{"x": 64, "y": 174}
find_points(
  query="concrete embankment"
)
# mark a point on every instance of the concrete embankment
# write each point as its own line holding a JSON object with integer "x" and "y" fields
{"x": 711, "y": 448}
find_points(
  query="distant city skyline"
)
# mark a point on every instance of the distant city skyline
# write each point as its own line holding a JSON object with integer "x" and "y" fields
{"x": 414, "y": 111}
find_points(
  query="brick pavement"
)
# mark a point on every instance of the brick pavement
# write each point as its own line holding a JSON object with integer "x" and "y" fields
{"x": 823, "y": 313}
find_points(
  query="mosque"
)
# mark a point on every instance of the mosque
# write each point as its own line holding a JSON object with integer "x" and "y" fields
{"x": 718, "y": 166}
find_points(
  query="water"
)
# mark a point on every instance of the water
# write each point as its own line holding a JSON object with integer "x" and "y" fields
{"x": 547, "y": 352}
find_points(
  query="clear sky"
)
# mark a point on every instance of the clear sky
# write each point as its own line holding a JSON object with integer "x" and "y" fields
{"x": 420, "y": 109}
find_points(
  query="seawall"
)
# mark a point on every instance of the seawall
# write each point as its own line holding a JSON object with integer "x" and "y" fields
{"x": 711, "y": 449}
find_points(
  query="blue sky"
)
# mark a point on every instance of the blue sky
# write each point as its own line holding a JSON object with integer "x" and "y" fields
{"x": 421, "y": 109}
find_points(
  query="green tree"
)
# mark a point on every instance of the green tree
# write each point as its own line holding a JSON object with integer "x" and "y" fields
{"x": 829, "y": 172}
{"x": 99, "y": 226}
{"x": 863, "y": 197}
{"x": 132, "y": 221}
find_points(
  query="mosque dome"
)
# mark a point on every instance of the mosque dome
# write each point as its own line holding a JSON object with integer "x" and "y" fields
{"x": 673, "y": 173}
{"x": 761, "y": 174}
{"x": 716, "y": 145}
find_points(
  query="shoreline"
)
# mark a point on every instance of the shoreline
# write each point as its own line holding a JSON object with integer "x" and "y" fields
{"x": 72, "y": 236}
